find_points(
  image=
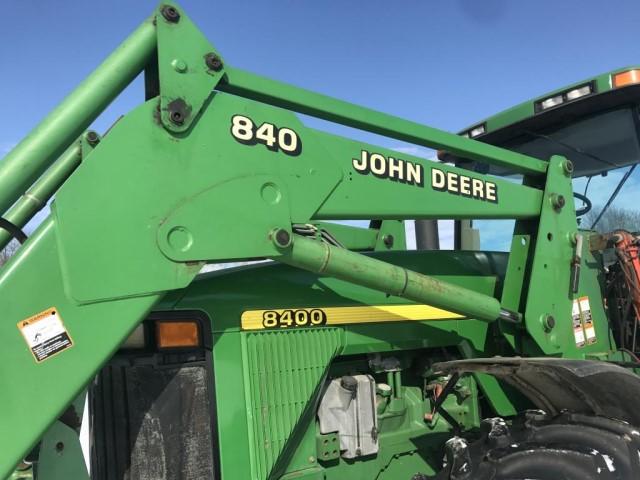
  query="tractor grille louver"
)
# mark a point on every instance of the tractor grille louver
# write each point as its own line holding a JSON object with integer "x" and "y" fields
{"x": 284, "y": 369}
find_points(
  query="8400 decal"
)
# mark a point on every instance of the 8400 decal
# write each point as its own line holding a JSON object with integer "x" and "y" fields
{"x": 284, "y": 139}
{"x": 293, "y": 318}
{"x": 284, "y": 318}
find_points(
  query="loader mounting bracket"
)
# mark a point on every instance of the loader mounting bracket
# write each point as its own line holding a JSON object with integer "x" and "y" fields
{"x": 186, "y": 76}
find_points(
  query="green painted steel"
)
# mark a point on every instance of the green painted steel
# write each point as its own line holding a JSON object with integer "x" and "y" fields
{"x": 185, "y": 78}
{"x": 60, "y": 451}
{"x": 22, "y": 165}
{"x": 350, "y": 200}
{"x": 39, "y": 194}
{"x": 288, "y": 96}
{"x": 393, "y": 280}
{"x": 553, "y": 245}
{"x": 31, "y": 282}
{"x": 391, "y": 235}
{"x": 61, "y": 455}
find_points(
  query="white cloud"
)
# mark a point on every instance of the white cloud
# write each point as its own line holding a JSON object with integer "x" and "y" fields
{"x": 445, "y": 231}
{"x": 410, "y": 234}
{"x": 416, "y": 151}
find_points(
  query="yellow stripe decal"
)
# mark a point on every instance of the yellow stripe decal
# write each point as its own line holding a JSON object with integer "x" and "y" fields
{"x": 318, "y": 316}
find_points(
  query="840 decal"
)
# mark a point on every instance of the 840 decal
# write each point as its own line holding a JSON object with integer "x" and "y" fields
{"x": 293, "y": 318}
{"x": 284, "y": 139}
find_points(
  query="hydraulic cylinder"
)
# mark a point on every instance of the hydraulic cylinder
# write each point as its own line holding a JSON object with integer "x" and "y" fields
{"x": 320, "y": 257}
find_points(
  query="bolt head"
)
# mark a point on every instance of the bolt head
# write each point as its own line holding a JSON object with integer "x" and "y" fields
{"x": 178, "y": 111}
{"x": 388, "y": 241}
{"x": 92, "y": 138}
{"x": 179, "y": 65}
{"x": 558, "y": 201}
{"x": 561, "y": 201}
{"x": 213, "y": 62}
{"x": 176, "y": 117}
{"x": 548, "y": 322}
{"x": 573, "y": 237}
{"x": 170, "y": 13}
{"x": 567, "y": 167}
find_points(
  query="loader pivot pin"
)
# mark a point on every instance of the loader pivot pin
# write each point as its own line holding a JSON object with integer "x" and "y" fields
{"x": 281, "y": 237}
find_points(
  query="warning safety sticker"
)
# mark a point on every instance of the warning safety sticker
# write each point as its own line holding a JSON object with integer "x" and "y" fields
{"x": 578, "y": 330}
{"x": 584, "y": 330}
{"x": 45, "y": 334}
{"x": 587, "y": 318}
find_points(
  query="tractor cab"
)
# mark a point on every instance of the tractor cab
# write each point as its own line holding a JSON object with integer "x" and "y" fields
{"x": 595, "y": 124}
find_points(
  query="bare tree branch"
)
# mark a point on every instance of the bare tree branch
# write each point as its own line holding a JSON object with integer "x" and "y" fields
{"x": 615, "y": 218}
{"x": 8, "y": 251}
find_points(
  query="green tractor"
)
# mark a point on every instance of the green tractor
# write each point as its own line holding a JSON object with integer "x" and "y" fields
{"x": 335, "y": 352}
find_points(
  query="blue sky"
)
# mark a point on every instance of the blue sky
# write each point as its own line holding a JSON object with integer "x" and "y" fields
{"x": 447, "y": 64}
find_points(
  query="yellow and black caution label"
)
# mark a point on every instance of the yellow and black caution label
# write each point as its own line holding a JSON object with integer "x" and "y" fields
{"x": 45, "y": 334}
{"x": 318, "y": 316}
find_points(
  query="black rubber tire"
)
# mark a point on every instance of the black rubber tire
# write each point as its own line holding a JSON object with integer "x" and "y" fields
{"x": 535, "y": 446}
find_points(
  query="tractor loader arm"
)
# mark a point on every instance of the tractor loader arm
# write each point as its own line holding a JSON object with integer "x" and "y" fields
{"x": 215, "y": 166}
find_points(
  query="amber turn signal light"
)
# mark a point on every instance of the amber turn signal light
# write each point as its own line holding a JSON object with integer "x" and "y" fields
{"x": 630, "y": 77}
{"x": 177, "y": 334}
